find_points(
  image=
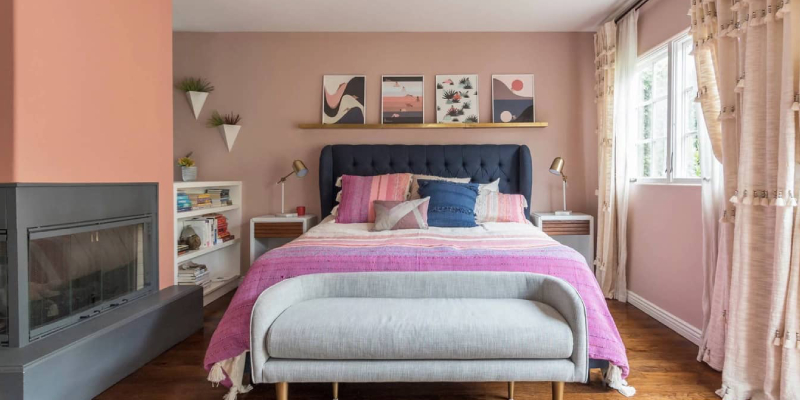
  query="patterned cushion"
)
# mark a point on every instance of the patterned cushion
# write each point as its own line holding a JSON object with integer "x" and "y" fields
{"x": 499, "y": 207}
{"x": 452, "y": 204}
{"x": 358, "y": 193}
{"x": 414, "y": 193}
{"x": 393, "y": 215}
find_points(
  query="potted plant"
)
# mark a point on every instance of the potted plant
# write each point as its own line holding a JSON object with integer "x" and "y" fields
{"x": 228, "y": 125}
{"x": 197, "y": 90}
{"x": 188, "y": 169}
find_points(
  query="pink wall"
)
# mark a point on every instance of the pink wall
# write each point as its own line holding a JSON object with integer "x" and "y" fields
{"x": 274, "y": 81}
{"x": 664, "y": 231}
{"x": 665, "y": 244}
{"x": 92, "y": 97}
{"x": 660, "y": 20}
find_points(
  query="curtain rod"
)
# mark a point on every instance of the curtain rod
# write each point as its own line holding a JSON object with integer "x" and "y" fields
{"x": 635, "y": 6}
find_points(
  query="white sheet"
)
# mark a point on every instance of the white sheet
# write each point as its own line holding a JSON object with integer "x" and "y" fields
{"x": 328, "y": 227}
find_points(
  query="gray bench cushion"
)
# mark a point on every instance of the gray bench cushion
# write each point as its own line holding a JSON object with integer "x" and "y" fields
{"x": 419, "y": 329}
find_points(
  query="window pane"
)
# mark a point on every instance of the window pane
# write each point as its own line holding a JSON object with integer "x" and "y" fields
{"x": 659, "y": 158}
{"x": 689, "y": 66}
{"x": 692, "y": 109}
{"x": 645, "y": 159}
{"x": 660, "y": 119}
{"x": 646, "y": 84}
{"x": 691, "y": 156}
{"x": 660, "y": 77}
{"x": 645, "y": 122}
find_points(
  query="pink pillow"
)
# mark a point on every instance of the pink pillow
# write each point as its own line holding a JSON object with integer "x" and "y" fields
{"x": 394, "y": 215}
{"x": 358, "y": 193}
{"x": 499, "y": 207}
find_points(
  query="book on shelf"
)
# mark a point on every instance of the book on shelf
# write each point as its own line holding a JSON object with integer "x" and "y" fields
{"x": 197, "y": 200}
{"x": 191, "y": 273}
{"x": 212, "y": 229}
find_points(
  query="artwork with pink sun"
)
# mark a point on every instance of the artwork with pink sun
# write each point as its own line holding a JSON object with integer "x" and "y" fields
{"x": 512, "y": 98}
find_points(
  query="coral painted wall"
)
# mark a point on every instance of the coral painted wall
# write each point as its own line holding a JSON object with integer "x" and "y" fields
{"x": 274, "y": 80}
{"x": 92, "y": 97}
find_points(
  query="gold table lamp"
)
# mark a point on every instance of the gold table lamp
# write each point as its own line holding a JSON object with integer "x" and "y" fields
{"x": 299, "y": 169}
{"x": 557, "y": 168}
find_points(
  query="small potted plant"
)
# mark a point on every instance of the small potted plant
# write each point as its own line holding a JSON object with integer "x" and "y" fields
{"x": 197, "y": 90}
{"x": 228, "y": 125}
{"x": 188, "y": 169}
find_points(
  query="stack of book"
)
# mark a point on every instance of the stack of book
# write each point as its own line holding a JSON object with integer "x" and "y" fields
{"x": 193, "y": 274}
{"x": 220, "y": 197}
{"x": 223, "y": 235}
{"x": 183, "y": 249}
{"x": 184, "y": 203}
{"x": 200, "y": 200}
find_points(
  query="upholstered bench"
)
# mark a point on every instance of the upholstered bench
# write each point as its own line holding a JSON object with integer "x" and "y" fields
{"x": 419, "y": 327}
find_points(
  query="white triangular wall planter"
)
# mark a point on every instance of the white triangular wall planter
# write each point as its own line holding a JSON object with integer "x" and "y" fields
{"x": 196, "y": 100}
{"x": 229, "y": 134}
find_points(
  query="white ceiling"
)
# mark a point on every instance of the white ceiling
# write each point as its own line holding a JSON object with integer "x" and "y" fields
{"x": 391, "y": 16}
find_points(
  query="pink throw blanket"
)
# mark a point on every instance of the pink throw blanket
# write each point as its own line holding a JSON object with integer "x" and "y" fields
{"x": 478, "y": 249}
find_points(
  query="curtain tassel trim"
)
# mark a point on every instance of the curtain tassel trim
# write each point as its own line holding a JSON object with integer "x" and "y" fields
{"x": 783, "y": 8}
{"x": 762, "y": 198}
{"x": 735, "y": 198}
{"x": 739, "y": 85}
{"x": 727, "y": 113}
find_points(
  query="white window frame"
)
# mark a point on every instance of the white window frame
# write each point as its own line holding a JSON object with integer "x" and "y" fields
{"x": 675, "y": 134}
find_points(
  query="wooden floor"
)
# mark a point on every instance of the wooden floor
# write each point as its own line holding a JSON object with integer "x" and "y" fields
{"x": 662, "y": 363}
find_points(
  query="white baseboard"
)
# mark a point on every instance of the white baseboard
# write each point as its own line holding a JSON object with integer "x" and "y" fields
{"x": 678, "y": 325}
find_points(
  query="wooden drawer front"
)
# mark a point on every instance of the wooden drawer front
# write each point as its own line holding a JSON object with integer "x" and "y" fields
{"x": 278, "y": 230}
{"x": 555, "y": 228}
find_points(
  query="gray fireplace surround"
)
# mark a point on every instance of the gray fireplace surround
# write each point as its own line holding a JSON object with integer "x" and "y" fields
{"x": 80, "y": 305}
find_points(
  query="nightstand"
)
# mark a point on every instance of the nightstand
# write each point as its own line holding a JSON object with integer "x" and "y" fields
{"x": 268, "y": 232}
{"x": 575, "y": 230}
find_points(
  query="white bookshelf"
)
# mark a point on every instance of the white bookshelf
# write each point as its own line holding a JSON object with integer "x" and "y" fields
{"x": 223, "y": 260}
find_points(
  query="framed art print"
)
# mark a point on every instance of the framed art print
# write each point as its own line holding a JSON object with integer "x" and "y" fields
{"x": 457, "y": 98}
{"x": 402, "y": 99}
{"x": 343, "y": 99}
{"x": 512, "y": 98}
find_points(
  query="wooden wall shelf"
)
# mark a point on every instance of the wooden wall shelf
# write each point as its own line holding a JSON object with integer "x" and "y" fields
{"x": 482, "y": 125}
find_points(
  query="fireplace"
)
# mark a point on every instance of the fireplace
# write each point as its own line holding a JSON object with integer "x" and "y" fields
{"x": 70, "y": 253}
{"x": 78, "y": 272}
{"x": 79, "y": 289}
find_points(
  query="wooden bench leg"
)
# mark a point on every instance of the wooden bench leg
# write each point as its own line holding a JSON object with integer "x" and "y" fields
{"x": 558, "y": 391}
{"x": 335, "y": 390}
{"x": 511, "y": 390}
{"x": 282, "y": 390}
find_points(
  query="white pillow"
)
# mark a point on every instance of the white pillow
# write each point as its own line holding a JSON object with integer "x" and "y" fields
{"x": 481, "y": 207}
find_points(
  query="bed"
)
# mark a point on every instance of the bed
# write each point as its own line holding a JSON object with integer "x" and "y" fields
{"x": 332, "y": 247}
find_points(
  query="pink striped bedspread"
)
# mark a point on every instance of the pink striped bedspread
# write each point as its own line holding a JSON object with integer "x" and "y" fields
{"x": 331, "y": 247}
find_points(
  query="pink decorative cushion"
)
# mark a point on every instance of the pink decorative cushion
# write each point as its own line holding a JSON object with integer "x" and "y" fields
{"x": 393, "y": 215}
{"x": 499, "y": 207}
{"x": 358, "y": 193}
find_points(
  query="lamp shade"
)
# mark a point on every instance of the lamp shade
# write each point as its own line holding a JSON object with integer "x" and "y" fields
{"x": 299, "y": 168}
{"x": 557, "y": 166}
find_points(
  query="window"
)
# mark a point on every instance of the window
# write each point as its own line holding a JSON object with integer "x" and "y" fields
{"x": 666, "y": 145}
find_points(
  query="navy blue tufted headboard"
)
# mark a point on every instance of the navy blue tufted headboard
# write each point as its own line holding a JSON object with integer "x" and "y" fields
{"x": 483, "y": 163}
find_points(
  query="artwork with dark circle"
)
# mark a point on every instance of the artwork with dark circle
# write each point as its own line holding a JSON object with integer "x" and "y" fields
{"x": 513, "y": 98}
{"x": 343, "y": 99}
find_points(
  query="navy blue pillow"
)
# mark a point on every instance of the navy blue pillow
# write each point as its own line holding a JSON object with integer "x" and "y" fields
{"x": 451, "y": 205}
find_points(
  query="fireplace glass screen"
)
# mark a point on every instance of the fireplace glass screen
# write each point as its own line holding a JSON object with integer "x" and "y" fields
{"x": 77, "y": 273}
{"x": 3, "y": 288}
